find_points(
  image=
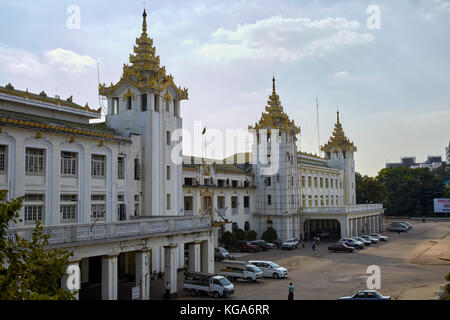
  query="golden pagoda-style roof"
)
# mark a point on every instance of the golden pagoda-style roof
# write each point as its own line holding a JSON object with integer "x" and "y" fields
{"x": 42, "y": 97}
{"x": 274, "y": 117}
{"x": 338, "y": 140}
{"x": 144, "y": 71}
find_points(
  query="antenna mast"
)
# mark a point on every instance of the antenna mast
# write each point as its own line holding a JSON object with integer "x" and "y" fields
{"x": 318, "y": 132}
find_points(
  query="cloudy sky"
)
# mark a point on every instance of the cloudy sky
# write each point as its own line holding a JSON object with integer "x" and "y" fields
{"x": 391, "y": 85}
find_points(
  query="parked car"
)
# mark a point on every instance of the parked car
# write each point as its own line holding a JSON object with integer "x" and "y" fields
{"x": 289, "y": 244}
{"x": 221, "y": 253}
{"x": 409, "y": 225}
{"x": 406, "y": 224}
{"x": 379, "y": 237}
{"x": 262, "y": 244}
{"x": 341, "y": 247}
{"x": 369, "y": 238}
{"x": 397, "y": 228}
{"x": 352, "y": 243}
{"x": 322, "y": 234}
{"x": 270, "y": 269}
{"x": 244, "y": 246}
{"x": 363, "y": 240}
{"x": 366, "y": 295}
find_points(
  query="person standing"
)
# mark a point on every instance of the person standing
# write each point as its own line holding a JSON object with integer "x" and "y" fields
{"x": 168, "y": 290}
{"x": 291, "y": 292}
{"x": 314, "y": 245}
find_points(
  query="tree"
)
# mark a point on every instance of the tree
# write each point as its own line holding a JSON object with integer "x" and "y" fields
{"x": 410, "y": 191}
{"x": 228, "y": 239}
{"x": 270, "y": 234}
{"x": 251, "y": 235}
{"x": 368, "y": 189}
{"x": 27, "y": 270}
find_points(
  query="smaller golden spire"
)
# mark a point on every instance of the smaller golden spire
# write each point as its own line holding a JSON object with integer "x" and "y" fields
{"x": 338, "y": 116}
{"x": 273, "y": 85}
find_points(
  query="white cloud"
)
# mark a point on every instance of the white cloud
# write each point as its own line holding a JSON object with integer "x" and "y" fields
{"x": 428, "y": 119}
{"x": 284, "y": 39}
{"x": 19, "y": 63}
{"x": 341, "y": 74}
{"x": 69, "y": 61}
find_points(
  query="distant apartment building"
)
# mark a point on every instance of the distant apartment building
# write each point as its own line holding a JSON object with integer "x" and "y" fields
{"x": 432, "y": 163}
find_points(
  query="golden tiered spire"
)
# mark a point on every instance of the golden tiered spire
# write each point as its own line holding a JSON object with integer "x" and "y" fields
{"x": 274, "y": 117}
{"x": 338, "y": 140}
{"x": 144, "y": 70}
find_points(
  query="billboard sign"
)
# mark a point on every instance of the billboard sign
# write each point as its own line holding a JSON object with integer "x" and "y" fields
{"x": 442, "y": 205}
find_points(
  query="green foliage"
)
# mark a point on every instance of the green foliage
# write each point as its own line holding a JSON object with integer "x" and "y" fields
{"x": 447, "y": 276}
{"x": 251, "y": 235}
{"x": 270, "y": 235}
{"x": 240, "y": 235}
{"x": 410, "y": 192}
{"x": 446, "y": 192}
{"x": 228, "y": 239}
{"x": 369, "y": 190}
{"x": 27, "y": 270}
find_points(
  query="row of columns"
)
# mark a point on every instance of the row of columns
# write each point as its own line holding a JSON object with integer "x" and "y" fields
{"x": 358, "y": 226}
{"x": 201, "y": 259}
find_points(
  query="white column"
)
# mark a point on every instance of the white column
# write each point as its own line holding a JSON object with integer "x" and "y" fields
{"x": 194, "y": 256}
{"x": 109, "y": 277}
{"x": 72, "y": 279}
{"x": 170, "y": 268}
{"x": 142, "y": 262}
{"x": 207, "y": 257}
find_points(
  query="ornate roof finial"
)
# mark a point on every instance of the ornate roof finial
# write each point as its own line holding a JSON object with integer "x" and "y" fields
{"x": 273, "y": 85}
{"x": 338, "y": 116}
{"x": 144, "y": 23}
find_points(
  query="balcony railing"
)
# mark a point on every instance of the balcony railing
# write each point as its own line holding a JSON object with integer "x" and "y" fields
{"x": 102, "y": 231}
{"x": 346, "y": 209}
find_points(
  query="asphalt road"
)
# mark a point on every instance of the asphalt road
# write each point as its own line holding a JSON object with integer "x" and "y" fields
{"x": 412, "y": 265}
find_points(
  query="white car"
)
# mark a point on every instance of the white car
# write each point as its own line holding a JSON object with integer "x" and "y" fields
{"x": 270, "y": 269}
{"x": 379, "y": 237}
{"x": 290, "y": 244}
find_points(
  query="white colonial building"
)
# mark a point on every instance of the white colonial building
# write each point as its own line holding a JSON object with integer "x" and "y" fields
{"x": 297, "y": 194}
{"x": 109, "y": 192}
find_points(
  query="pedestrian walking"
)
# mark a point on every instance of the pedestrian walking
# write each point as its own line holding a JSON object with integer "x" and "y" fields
{"x": 155, "y": 275}
{"x": 314, "y": 245}
{"x": 168, "y": 290}
{"x": 291, "y": 292}
{"x": 303, "y": 243}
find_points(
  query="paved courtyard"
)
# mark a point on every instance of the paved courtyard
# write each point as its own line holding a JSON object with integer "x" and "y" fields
{"x": 412, "y": 264}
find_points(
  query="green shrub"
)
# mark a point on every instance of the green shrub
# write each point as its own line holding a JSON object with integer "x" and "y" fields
{"x": 270, "y": 235}
{"x": 228, "y": 239}
{"x": 240, "y": 235}
{"x": 447, "y": 277}
{"x": 251, "y": 235}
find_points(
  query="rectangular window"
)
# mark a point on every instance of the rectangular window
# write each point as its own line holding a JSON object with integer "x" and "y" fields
{"x": 156, "y": 99}
{"x": 98, "y": 166}
{"x": 98, "y": 207}
{"x": 309, "y": 182}
{"x": 3, "y": 158}
{"x": 167, "y": 106}
{"x": 176, "y": 108}
{"x": 269, "y": 200}
{"x": 68, "y": 207}
{"x": 128, "y": 103}
{"x": 168, "y": 201}
{"x": 137, "y": 170}
{"x": 246, "y": 201}
{"x": 303, "y": 181}
{"x": 168, "y": 172}
{"x": 68, "y": 163}
{"x": 144, "y": 102}
{"x": 220, "y": 202}
{"x": 33, "y": 207}
{"x": 220, "y": 183}
{"x": 35, "y": 161}
{"x": 234, "y": 183}
{"x": 321, "y": 182}
{"x": 168, "y": 138}
{"x": 121, "y": 168}
{"x": 188, "y": 181}
{"x": 136, "y": 205}
{"x": 115, "y": 105}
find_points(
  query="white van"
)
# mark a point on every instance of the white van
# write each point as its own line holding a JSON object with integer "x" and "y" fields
{"x": 270, "y": 269}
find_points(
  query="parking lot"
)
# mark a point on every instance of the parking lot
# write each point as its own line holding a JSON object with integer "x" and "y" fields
{"x": 412, "y": 264}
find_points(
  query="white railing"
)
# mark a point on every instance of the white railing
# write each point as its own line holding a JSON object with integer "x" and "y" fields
{"x": 74, "y": 233}
{"x": 346, "y": 209}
